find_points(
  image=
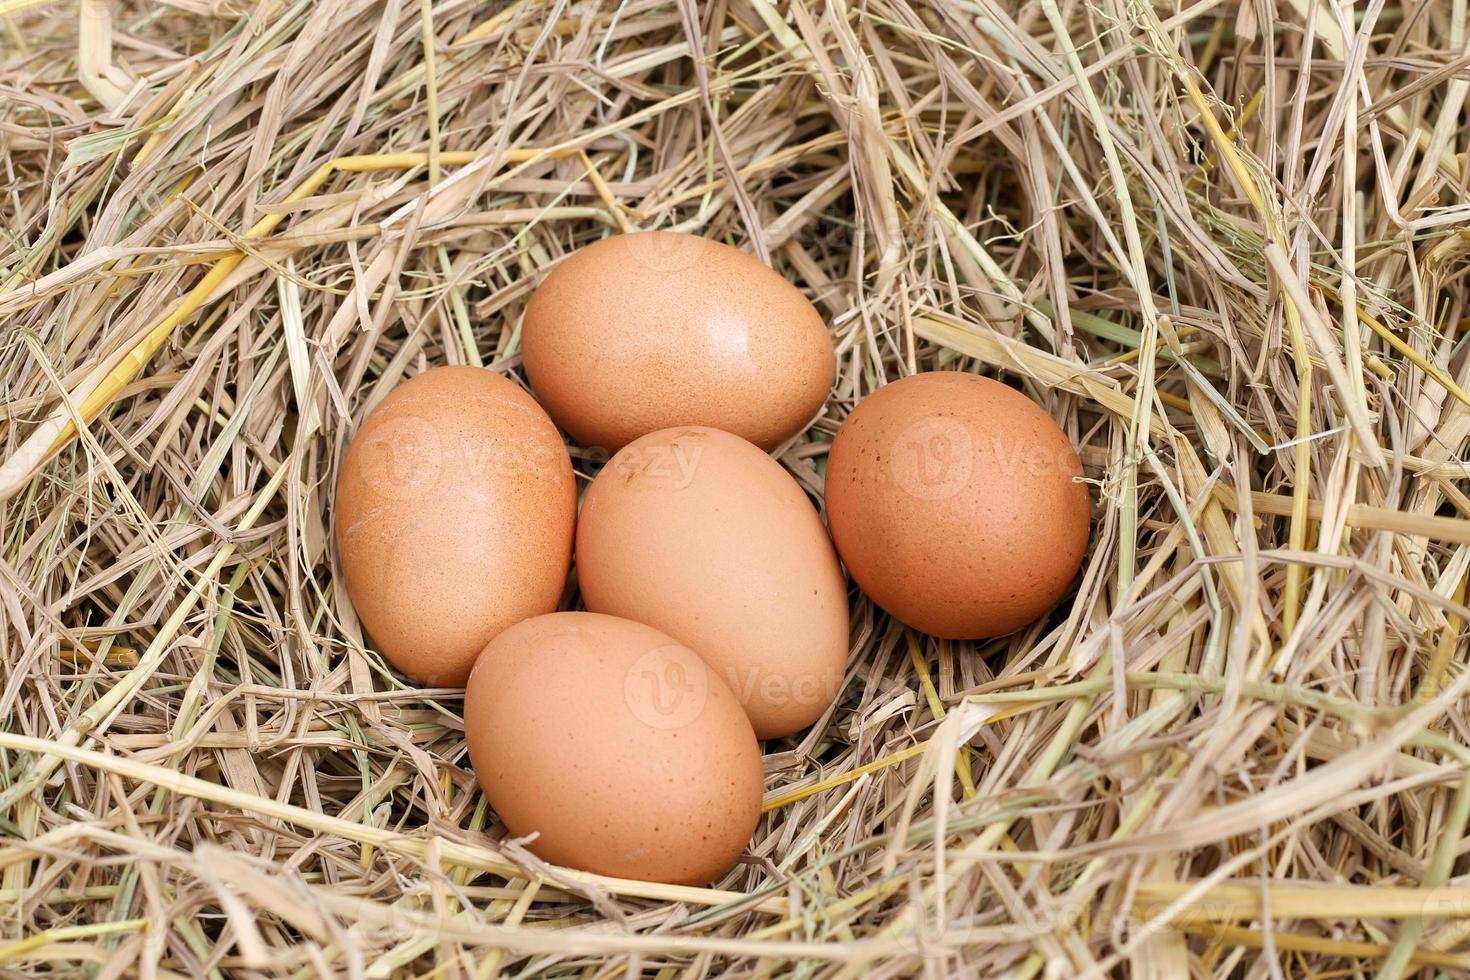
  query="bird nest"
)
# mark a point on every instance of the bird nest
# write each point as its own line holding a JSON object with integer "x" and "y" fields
{"x": 1221, "y": 243}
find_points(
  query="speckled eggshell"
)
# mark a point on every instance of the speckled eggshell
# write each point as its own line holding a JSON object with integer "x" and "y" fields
{"x": 956, "y": 505}
{"x": 454, "y": 516}
{"x": 647, "y": 330}
{"x": 700, "y": 534}
{"x": 616, "y": 746}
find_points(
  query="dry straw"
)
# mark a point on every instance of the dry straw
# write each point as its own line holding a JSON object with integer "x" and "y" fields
{"x": 1222, "y": 243}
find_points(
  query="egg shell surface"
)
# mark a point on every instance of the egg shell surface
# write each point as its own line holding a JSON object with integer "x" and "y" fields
{"x": 956, "y": 504}
{"x": 647, "y": 330}
{"x": 616, "y": 746}
{"x": 454, "y": 517}
{"x": 705, "y": 537}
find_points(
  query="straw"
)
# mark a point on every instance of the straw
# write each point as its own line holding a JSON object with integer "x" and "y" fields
{"x": 1222, "y": 244}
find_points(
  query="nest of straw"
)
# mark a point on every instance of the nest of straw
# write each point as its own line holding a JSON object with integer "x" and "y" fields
{"x": 1222, "y": 243}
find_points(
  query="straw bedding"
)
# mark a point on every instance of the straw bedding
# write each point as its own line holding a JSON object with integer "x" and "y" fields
{"x": 1221, "y": 242}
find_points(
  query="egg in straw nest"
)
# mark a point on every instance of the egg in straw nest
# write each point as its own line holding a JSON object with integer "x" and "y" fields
{"x": 743, "y": 489}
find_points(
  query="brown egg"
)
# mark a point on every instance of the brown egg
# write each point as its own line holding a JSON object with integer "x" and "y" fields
{"x": 955, "y": 503}
{"x": 616, "y": 746}
{"x": 642, "y": 331}
{"x": 454, "y": 514}
{"x": 700, "y": 534}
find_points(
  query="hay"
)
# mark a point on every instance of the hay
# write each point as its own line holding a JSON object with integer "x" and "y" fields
{"x": 1223, "y": 243}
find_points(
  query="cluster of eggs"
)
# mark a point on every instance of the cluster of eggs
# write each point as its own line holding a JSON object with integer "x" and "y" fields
{"x": 624, "y": 740}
